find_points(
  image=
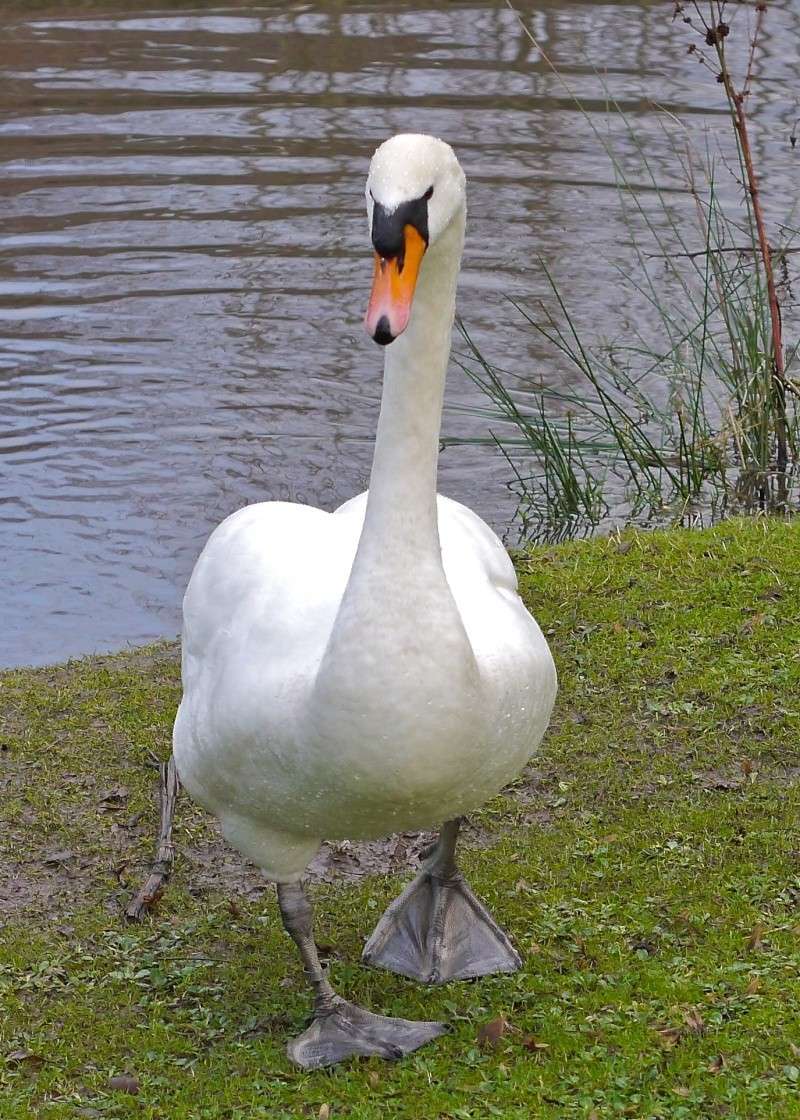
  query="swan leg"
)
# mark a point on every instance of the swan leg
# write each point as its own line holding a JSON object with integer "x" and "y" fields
{"x": 437, "y": 930}
{"x": 340, "y": 1029}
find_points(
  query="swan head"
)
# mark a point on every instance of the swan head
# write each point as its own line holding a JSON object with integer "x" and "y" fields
{"x": 415, "y": 189}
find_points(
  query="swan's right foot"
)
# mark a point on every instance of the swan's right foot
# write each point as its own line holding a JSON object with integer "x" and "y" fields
{"x": 437, "y": 930}
{"x": 345, "y": 1030}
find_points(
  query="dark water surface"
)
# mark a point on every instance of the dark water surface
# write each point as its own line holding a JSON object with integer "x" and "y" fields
{"x": 184, "y": 259}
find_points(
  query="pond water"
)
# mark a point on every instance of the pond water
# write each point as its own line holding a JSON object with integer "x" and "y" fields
{"x": 184, "y": 259}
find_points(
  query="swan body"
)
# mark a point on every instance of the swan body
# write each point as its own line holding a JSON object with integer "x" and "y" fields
{"x": 280, "y": 769}
{"x": 355, "y": 673}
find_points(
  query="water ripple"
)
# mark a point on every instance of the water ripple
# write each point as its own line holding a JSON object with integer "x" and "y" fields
{"x": 183, "y": 259}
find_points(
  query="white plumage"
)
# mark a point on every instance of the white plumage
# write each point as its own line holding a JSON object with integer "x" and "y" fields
{"x": 351, "y": 674}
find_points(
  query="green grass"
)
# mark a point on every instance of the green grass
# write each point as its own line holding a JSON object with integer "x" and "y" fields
{"x": 647, "y": 866}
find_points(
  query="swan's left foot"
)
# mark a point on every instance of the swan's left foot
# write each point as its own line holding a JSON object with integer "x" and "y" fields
{"x": 345, "y": 1030}
{"x": 340, "y": 1029}
{"x": 437, "y": 930}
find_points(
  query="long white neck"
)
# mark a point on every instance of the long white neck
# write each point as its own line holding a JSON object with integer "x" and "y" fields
{"x": 398, "y": 653}
{"x": 400, "y": 526}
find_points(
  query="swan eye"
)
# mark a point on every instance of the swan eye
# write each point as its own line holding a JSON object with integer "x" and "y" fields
{"x": 428, "y": 194}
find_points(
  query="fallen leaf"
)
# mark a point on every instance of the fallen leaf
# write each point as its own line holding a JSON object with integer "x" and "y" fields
{"x": 490, "y": 1033}
{"x": 25, "y": 1058}
{"x": 534, "y": 1045}
{"x": 717, "y": 1064}
{"x": 772, "y": 593}
{"x": 112, "y": 799}
{"x": 756, "y": 939}
{"x": 55, "y": 858}
{"x": 669, "y": 1037}
{"x": 694, "y": 1021}
{"x": 124, "y": 1083}
{"x": 644, "y": 945}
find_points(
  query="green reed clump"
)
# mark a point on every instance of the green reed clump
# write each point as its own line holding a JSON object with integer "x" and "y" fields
{"x": 726, "y": 432}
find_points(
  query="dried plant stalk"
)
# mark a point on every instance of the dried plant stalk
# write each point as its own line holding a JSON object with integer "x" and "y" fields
{"x": 148, "y": 895}
{"x": 716, "y": 32}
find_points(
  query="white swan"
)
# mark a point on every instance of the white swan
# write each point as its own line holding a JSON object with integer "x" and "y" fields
{"x": 351, "y": 674}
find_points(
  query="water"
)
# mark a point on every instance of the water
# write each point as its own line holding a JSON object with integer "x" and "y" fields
{"x": 184, "y": 259}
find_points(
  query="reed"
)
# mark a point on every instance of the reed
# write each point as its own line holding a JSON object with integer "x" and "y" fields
{"x": 725, "y": 435}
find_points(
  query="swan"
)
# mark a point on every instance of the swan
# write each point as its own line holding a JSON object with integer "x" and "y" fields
{"x": 361, "y": 672}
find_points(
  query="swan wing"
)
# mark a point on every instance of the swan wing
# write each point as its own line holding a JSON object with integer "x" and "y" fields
{"x": 471, "y": 551}
{"x": 259, "y": 569}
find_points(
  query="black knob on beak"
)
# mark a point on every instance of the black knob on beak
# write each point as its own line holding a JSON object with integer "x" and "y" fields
{"x": 383, "y": 334}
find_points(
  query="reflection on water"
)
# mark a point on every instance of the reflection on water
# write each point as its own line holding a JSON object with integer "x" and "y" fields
{"x": 184, "y": 260}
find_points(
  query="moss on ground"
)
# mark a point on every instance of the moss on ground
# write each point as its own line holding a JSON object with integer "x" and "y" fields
{"x": 647, "y": 865}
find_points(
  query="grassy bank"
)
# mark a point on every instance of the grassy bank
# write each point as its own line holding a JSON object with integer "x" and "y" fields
{"x": 646, "y": 865}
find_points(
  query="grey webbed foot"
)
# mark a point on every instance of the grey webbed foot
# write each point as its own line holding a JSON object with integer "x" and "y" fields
{"x": 437, "y": 930}
{"x": 344, "y": 1030}
{"x": 340, "y": 1029}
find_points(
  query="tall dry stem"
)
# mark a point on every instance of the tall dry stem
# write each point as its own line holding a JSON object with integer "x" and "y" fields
{"x": 715, "y": 31}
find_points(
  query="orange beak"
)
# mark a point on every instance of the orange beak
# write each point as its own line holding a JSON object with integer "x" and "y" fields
{"x": 393, "y": 284}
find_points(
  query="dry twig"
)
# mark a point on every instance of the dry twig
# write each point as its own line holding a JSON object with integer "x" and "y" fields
{"x": 148, "y": 895}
